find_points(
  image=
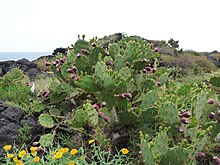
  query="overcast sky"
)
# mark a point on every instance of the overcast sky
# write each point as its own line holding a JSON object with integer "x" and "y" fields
{"x": 43, "y": 25}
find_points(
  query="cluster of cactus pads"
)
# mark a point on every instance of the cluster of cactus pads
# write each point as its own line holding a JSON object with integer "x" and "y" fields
{"x": 121, "y": 85}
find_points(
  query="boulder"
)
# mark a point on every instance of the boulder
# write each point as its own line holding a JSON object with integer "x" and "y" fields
{"x": 30, "y": 68}
{"x": 11, "y": 120}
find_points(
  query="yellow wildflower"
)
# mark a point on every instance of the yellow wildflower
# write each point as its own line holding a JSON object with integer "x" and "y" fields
{"x": 64, "y": 150}
{"x": 34, "y": 153}
{"x": 16, "y": 160}
{"x": 22, "y": 153}
{"x": 10, "y": 155}
{"x": 37, "y": 159}
{"x": 58, "y": 155}
{"x": 71, "y": 163}
{"x": 73, "y": 151}
{"x": 91, "y": 141}
{"x": 124, "y": 151}
{"x": 7, "y": 147}
{"x": 19, "y": 163}
{"x": 33, "y": 149}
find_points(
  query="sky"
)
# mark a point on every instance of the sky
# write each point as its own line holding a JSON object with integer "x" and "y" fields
{"x": 44, "y": 25}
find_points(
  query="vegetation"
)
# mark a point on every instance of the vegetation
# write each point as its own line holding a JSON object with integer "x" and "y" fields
{"x": 119, "y": 95}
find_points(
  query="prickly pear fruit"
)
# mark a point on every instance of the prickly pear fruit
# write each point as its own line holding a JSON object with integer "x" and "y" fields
{"x": 185, "y": 120}
{"x": 181, "y": 129}
{"x": 106, "y": 118}
{"x": 69, "y": 70}
{"x": 96, "y": 106}
{"x": 156, "y": 49}
{"x": 103, "y": 104}
{"x": 101, "y": 114}
{"x": 47, "y": 64}
{"x": 128, "y": 95}
{"x": 201, "y": 155}
{"x": 121, "y": 96}
{"x": 216, "y": 160}
{"x": 212, "y": 115}
{"x": 210, "y": 101}
{"x": 148, "y": 68}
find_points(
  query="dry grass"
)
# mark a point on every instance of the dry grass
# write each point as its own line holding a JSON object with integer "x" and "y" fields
{"x": 41, "y": 63}
{"x": 189, "y": 61}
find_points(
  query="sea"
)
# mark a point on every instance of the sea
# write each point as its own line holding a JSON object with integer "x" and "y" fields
{"x": 5, "y": 56}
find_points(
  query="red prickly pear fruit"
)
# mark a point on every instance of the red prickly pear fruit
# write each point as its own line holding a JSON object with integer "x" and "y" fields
{"x": 212, "y": 115}
{"x": 187, "y": 113}
{"x": 107, "y": 53}
{"x": 144, "y": 70}
{"x": 27, "y": 84}
{"x": 47, "y": 64}
{"x": 156, "y": 49}
{"x": 210, "y": 101}
{"x": 109, "y": 63}
{"x": 106, "y": 118}
{"x": 69, "y": 70}
{"x": 73, "y": 76}
{"x": 101, "y": 114}
{"x": 96, "y": 106}
{"x": 103, "y": 104}
{"x": 151, "y": 45}
{"x": 39, "y": 149}
{"x": 57, "y": 69}
{"x": 93, "y": 44}
{"x": 148, "y": 68}
{"x": 144, "y": 60}
{"x": 57, "y": 61}
{"x": 121, "y": 96}
{"x": 185, "y": 120}
{"x": 154, "y": 70}
{"x": 219, "y": 120}
{"x": 181, "y": 129}
{"x": 158, "y": 83}
{"x": 62, "y": 60}
{"x": 74, "y": 69}
{"x": 201, "y": 155}
{"x": 128, "y": 95}
{"x": 216, "y": 160}
{"x": 54, "y": 63}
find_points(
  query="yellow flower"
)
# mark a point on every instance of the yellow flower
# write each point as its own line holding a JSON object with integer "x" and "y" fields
{"x": 16, "y": 160}
{"x": 71, "y": 163}
{"x": 37, "y": 159}
{"x": 124, "y": 151}
{"x": 10, "y": 155}
{"x": 34, "y": 153}
{"x": 64, "y": 150}
{"x": 22, "y": 153}
{"x": 7, "y": 147}
{"x": 33, "y": 149}
{"x": 19, "y": 163}
{"x": 91, "y": 141}
{"x": 58, "y": 155}
{"x": 73, "y": 151}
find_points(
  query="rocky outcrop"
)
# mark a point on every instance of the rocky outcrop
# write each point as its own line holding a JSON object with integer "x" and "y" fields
{"x": 30, "y": 68}
{"x": 11, "y": 120}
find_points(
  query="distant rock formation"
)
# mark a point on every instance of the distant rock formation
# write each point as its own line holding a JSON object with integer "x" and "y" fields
{"x": 30, "y": 68}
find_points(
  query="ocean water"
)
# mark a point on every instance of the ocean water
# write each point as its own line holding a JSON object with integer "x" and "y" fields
{"x": 5, "y": 56}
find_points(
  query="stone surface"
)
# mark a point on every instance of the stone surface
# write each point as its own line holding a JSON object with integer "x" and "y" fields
{"x": 30, "y": 68}
{"x": 11, "y": 120}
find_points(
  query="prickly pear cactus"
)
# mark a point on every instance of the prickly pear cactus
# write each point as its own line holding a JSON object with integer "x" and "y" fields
{"x": 46, "y": 120}
{"x": 215, "y": 81}
{"x": 175, "y": 156}
{"x": 46, "y": 140}
{"x": 169, "y": 113}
